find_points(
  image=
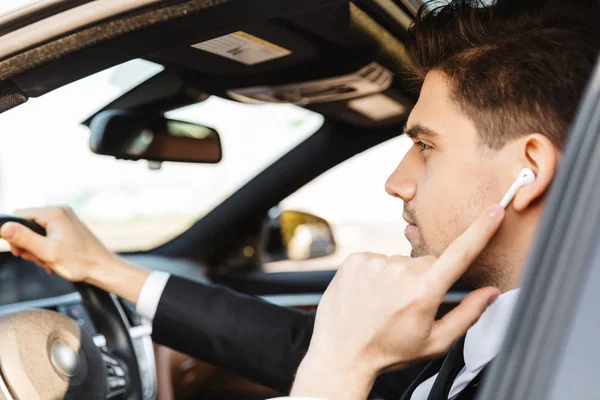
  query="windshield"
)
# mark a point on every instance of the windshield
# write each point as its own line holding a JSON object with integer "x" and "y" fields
{"x": 45, "y": 159}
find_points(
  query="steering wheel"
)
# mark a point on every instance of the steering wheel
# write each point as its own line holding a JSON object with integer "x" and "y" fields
{"x": 44, "y": 355}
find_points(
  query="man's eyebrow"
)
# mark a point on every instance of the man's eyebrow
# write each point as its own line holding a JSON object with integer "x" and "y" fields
{"x": 418, "y": 130}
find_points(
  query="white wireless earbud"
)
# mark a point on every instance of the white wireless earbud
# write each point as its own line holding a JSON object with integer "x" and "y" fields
{"x": 526, "y": 177}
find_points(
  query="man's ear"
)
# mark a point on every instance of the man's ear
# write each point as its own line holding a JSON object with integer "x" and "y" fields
{"x": 541, "y": 155}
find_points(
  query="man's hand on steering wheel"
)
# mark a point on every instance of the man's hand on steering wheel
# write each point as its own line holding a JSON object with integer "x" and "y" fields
{"x": 69, "y": 248}
{"x": 72, "y": 251}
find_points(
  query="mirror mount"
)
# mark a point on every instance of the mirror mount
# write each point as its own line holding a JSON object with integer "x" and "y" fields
{"x": 154, "y": 165}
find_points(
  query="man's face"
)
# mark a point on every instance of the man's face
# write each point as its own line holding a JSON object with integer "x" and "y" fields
{"x": 447, "y": 178}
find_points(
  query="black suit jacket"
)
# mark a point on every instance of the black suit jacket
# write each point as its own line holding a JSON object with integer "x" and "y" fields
{"x": 257, "y": 339}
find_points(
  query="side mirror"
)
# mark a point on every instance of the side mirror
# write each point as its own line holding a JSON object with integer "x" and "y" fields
{"x": 297, "y": 235}
{"x": 131, "y": 135}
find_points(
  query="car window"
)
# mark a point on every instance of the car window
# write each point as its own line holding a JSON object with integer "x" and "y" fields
{"x": 352, "y": 198}
{"x": 45, "y": 159}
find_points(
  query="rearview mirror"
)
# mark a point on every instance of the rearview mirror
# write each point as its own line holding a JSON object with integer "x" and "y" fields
{"x": 131, "y": 135}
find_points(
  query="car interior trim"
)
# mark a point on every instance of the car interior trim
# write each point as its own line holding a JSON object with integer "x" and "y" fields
{"x": 49, "y": 302}
{"x": 294, "y": 300}
{"x": 313, "y": 299}
{"x": 389, "y": 44}
{"x": 65, "y": 22}
{"x": 25, "y": 58}
{"x": 395, "y": 12}
{"x": 136, "y": 332}
{"x": 413, "y": 5}
{"x": 32, "y": 12}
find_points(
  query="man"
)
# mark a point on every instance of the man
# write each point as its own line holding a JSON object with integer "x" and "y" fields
{"x": 498, "y": 88}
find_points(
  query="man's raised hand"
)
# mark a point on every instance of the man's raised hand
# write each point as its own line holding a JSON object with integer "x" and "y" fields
{"x": 378, "y": 314}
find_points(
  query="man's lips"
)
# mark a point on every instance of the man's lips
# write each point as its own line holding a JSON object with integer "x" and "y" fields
{"x": 408, "y": 220}
{"x": 411, "y": 228}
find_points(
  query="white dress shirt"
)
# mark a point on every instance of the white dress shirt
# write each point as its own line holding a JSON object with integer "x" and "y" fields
{"x": 482, "y": 342}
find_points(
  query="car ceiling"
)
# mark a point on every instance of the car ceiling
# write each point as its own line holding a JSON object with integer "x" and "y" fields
{"x": 323, "y": 39}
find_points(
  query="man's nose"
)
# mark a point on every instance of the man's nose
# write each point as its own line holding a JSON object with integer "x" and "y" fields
{"x": 402, "y": 182}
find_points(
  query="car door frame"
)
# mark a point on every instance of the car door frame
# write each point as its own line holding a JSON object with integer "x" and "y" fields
{"x": 549, "y": 350}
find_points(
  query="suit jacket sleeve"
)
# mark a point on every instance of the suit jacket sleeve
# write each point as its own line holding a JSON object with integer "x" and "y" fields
{"x": 241, "y": 333}
{"x": 244, "y": 334}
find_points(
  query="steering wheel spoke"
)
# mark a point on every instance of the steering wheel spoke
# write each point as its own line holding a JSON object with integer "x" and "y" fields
{"x": 109, "y": 318}
{"x": 117, "y": 379}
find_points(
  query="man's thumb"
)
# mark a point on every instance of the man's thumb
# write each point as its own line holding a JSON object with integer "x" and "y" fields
{"x": 20, "y": 236}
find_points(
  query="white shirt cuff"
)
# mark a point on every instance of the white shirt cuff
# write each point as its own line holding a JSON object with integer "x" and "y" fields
{"x": 150, "y": 294}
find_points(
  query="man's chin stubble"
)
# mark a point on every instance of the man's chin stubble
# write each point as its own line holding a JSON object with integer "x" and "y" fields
{"x": 420, "y": 248}
{"x": 481, "y": 273}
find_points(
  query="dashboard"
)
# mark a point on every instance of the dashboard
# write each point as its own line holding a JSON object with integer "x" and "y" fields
{"x": 22, "y": 281}
{"x": 24, "y": 286}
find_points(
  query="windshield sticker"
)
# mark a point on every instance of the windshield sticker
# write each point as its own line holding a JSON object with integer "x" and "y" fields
{"x": 244, "y": 48}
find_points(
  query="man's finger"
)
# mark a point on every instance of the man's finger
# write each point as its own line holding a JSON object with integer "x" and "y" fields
{"x": 457, "y": 258}
{"x": 456, "y": 323}
{"x": 18, "y": 235}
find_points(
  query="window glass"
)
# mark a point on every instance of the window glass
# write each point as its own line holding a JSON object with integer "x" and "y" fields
{"x": 352, "y": 198}
{"x": 45, "y": 159}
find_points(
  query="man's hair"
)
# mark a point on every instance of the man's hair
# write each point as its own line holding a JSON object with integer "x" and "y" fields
{"x": 515, "y": 66}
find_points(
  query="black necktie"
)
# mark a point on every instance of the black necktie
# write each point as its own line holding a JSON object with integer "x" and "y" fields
{"x": 453, "y": 364}
{"x": 432, "y": 368}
